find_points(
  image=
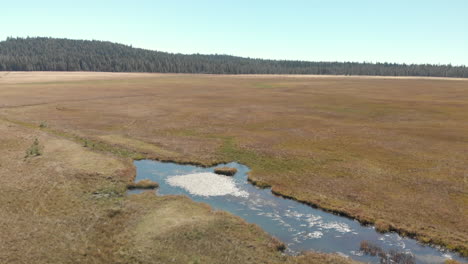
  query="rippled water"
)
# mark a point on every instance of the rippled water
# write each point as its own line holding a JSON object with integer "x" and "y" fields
{"x": 299, "y": 226}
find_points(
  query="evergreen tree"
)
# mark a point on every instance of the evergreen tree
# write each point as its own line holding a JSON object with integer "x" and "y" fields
{"x": 49, "y": 54}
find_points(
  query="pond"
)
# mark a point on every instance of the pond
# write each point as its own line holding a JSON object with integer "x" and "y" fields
{"x": 299, "y": 226}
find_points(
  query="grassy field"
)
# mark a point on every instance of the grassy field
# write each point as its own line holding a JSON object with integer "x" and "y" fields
{"x": 389, "y": 151}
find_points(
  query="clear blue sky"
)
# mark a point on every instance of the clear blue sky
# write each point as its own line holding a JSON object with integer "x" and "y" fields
{"x": 410, "y": 31}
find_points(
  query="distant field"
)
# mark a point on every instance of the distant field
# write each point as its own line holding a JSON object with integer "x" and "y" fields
{"x": 28, "y": 77}
{"x": 390, "y": 151}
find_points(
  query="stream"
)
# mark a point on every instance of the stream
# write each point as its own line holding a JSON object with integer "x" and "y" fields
{"x": 299, "y": 226}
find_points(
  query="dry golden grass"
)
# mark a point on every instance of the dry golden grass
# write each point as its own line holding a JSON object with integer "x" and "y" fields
{"x": 138, "y": 145}
{"x": 378, "y": 149}
{"x": 180, "y": 231}
{"x": 47, "y": 210}
{"x": 68, "y": 206}
{"x": 37, "y": 77}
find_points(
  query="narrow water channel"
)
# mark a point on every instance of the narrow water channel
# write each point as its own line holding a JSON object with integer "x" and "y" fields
{"x": 299, "y": 226}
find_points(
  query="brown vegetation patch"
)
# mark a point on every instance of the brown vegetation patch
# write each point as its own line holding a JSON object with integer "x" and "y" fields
{"x": 143, "y": 184}
{"x": 386, "y": 257}
{"x": 226, "y": 171}
{"x": 382, "y": 226}
{"x": 138, "y": 145}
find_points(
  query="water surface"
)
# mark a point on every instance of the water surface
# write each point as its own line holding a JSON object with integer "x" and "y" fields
{"x": 299, "y": 226}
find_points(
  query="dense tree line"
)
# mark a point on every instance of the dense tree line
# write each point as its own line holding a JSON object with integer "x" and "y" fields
{"x": 50, "y": 54}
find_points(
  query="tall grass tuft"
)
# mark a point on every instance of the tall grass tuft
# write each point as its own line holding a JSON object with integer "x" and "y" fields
{"x": 43, "y": 124}
{"x": 34, "y": 150}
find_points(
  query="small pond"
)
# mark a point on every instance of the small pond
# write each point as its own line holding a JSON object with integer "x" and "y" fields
{"x": 299, "y": 226}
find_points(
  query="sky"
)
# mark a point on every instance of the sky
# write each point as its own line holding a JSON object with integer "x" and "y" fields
{"x": 402, "y": 31}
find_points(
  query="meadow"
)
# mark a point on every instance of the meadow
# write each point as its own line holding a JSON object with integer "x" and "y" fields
{"x": 387, "y": 151}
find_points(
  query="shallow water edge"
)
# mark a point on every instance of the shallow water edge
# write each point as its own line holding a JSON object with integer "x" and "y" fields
{"x": 299, "y": 224}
